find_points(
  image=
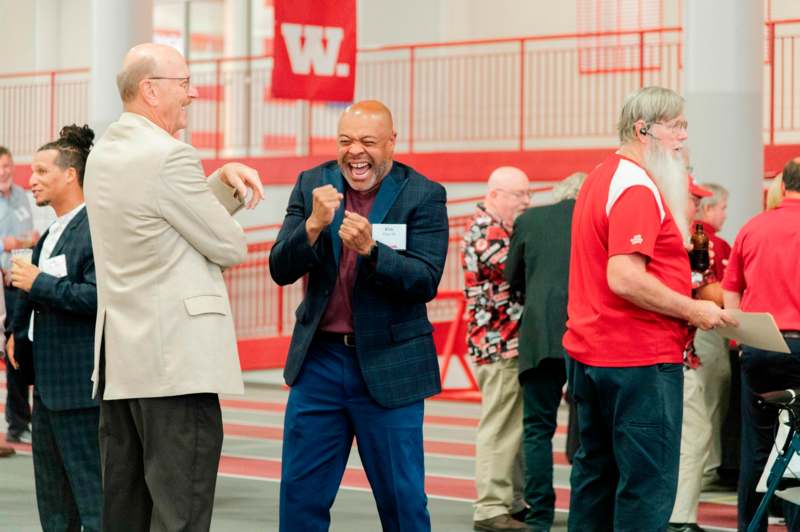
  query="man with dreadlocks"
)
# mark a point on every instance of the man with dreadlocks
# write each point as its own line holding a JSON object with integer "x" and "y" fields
{"x": 56, "y": 310}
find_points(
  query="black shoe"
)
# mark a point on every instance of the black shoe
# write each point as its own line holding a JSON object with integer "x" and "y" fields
{"x": 19, "y": 437}
{"x": 684, "y": 527}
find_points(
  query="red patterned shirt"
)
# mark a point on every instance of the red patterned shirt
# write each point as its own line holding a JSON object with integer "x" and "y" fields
{"x": 493, "y": 312}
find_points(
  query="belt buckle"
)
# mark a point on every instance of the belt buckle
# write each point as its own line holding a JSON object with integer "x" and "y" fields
{"x": 349, "y": 340}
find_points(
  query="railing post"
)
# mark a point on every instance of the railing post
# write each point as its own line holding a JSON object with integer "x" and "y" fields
{"x": 522, "y": 95}
{"x": 279, "y": 329}
{"x": 218, "y": 109}
{"x": 52, "y": 105}
{"x": 411, "y": 101}
{"x": 771, "y": 55}
{"x": 641, "y": 59}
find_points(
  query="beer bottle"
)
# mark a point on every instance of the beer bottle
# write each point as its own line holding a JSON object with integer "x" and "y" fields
{"x": 698, "y": 256}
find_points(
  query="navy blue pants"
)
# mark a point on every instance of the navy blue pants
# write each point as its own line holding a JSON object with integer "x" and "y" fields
{"x": 625, "y": 472}
{"x": 763, "y": 371}
{"x": 329, "y": 404}
{"x": 66, "y": 466}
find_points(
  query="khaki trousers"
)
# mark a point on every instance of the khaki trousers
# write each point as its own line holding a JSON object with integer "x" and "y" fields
{"x": 498, "y": 462}
{"x": 706, "y": 391}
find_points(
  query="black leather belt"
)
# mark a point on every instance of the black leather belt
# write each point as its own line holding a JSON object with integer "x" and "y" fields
{"x": 791, "y": 334}
{"x": 347, "y": 339}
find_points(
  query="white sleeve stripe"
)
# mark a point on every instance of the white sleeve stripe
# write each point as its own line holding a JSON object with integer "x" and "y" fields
{"x": 630, "y": 175}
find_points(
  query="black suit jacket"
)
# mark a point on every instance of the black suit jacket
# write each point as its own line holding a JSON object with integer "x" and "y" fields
{"x": 538, "y": 266}
{"x": 65, "y": 309}
{"x": 394, "y": 341}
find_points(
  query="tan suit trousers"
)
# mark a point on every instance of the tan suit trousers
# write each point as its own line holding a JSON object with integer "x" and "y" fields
{"x": 706, "y": 391}
{"x": 498, "y": 461}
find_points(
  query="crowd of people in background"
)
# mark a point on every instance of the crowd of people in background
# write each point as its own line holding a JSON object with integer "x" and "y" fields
{"x": 594, "y": 291}
{"x": 600, "y": 293}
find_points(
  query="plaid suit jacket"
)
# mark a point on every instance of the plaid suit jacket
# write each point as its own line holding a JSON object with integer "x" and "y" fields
{"x": 394, "y": 340}
{"x": 65, "y": 310}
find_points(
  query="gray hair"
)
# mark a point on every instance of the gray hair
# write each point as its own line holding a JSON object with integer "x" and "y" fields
{"x": 568, "y": 187}
{"x": 650, "y": 104}
{"x": 130, "y": 76}
{"x": 720, "y": 193}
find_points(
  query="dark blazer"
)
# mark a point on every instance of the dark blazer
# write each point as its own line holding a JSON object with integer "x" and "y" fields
{"x": 65, "y": 309}
{"x": 538, "y": 266}
{"x": 394, "y": 341}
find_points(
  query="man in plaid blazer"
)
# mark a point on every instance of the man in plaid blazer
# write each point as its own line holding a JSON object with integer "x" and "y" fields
{"x": 371, "y": 235}
{"x": 57, "y": 307}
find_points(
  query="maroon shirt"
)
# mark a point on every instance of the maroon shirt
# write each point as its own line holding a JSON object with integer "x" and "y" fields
{"x": 338, "y": 315}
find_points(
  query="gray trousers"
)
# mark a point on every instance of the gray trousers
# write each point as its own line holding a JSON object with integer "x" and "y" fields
{"x": 159, "y": 460}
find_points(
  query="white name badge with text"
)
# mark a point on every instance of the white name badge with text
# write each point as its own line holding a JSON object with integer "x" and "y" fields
{"x": 55, "y": 266}
{"x": 392, "y": 235}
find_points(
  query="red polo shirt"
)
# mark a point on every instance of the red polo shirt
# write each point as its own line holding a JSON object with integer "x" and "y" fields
{"x": 763, "y": 265}
{"x": 620, "y": 211}
{"x": 722, "y": 250}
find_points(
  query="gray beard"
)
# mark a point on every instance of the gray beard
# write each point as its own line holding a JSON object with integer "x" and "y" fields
{"x": 667, "y": 169}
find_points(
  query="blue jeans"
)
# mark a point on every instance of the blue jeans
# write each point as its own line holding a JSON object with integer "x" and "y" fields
{"x": 625, "y": 472}
{"x": 328, "y": 405}
{"x": 763, "y": 371}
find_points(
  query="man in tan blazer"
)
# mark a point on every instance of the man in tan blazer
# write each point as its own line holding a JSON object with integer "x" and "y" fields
{"x": 165, "y": 344}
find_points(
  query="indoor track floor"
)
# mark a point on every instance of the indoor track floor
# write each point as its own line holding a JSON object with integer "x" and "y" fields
{"x": 247, "y": 489}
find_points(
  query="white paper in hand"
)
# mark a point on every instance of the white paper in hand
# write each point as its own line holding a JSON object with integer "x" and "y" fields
{"x": 756, "y": 329}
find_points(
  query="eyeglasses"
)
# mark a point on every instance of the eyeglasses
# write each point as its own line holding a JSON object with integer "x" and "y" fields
{"x": 676, "y": 126}
{"x": 184, "y": 82}
{"x": 519, "y": 194}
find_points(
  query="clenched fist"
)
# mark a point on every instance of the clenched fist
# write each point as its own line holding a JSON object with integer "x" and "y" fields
{"x": 326, "y": 200}
{"x": 356, "y": 233}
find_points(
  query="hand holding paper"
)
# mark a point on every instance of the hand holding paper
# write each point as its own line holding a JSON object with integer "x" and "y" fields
{"x": 756, "y": 329}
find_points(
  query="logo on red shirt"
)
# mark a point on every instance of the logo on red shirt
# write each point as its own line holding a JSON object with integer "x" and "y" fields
{"x": 636, "y": 239}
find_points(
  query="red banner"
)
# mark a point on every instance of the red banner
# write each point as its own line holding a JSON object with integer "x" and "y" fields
{"x": 315, "y": 50}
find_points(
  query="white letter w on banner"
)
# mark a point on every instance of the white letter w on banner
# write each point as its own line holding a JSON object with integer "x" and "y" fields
{"x": 306, "y": 50}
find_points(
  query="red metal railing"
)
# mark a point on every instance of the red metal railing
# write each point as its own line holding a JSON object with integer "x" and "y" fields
{"x": 538, "y": 92}
{"x": 263, "y": 312}
{"x": 263, "y": 309}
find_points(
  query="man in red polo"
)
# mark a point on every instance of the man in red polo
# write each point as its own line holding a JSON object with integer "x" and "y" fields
{"x": 762, "y": 276}
{"x": 629, "y": 304}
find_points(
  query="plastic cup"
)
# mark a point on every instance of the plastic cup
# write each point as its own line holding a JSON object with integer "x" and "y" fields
{"x": 23, "y": 254}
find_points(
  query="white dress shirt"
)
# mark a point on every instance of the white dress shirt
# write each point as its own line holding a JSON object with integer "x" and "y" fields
{"x": 54, "y": 232}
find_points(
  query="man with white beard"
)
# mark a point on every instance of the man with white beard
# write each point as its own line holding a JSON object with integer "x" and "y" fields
{"x": 629, "y": 304}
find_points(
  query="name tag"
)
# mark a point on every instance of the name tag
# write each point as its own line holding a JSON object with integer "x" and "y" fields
{"x": 392, "y": 235}
{"x": 55, "y": 266}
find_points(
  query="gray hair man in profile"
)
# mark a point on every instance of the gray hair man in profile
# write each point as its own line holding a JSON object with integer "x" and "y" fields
{"x": 629, "y": 306}
{"x": 164, "y": 343}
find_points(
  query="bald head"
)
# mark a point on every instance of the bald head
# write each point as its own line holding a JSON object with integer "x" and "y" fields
{"x": 507, "y": 177}
{"x": 143, "y": 61}
{"x": 507, "y": 193}
{"x": 372, "y": 110}
{"x": 365, "y": 143}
